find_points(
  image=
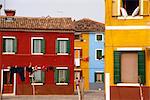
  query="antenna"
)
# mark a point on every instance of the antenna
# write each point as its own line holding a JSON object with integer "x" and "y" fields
{"x": 0, "y": 8}
{"x": 4, "y": 4}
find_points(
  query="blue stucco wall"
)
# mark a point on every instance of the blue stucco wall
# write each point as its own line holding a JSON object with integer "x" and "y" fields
{"x": 95, "y": 65}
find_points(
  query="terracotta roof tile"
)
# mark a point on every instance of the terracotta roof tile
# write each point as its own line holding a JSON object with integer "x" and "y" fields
{"x": 88, "y": 25}
{"x": 36, "y": 23}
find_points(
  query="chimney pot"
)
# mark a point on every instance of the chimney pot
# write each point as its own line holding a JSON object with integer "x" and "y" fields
{"x": 10, "y": 12}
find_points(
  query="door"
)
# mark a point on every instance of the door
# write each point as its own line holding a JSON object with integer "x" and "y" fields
{"x": 8, "y": 81}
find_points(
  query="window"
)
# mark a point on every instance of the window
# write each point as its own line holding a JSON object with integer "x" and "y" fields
{"x": 77, "y": 74}
{"x": 99, "y": 37}
{"x": 99, "y": 77}
{"x": 98, "y": 54}
{"x": 9, "y": 45}
{"x": 38, "y": 45}
{"x": 78, "y": 56}
{"x": 63, "y": 46}
{"x": 38, "y": 77}
{"x": 132, "y": 8}
{"x": 78, "y": 36}
{"x": 129, "y": 67}
{"x": 62, "y": 76}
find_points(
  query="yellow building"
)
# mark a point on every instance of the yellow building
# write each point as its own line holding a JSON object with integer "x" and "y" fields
{"x": 127, "y": 48}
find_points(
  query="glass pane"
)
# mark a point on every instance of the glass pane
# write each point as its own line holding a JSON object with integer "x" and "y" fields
{"x": 99, "y": 54}
{"x": 63, "y": 46}
{"x": 38, "y": 76}
{"x": 99, "y": 77}
{"x": 77, "y": 37}
{"x": 37, "y": 45}
{"x": 77, "y": 53}
{"x": 9, "y": 45}
{"x": 62, "y": 76}
{"x": 99, "y": 37}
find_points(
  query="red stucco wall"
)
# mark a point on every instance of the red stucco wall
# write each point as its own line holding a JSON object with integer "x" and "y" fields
{"x": 50, "y": 58}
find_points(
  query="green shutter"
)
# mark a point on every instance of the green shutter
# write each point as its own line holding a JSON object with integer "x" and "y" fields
{"x": 95, "y": 77}
{"x": 68, "y": 46}
{"x": 43, "y": 76}
{"x": 117, "y": 67}
{"x": 57, "y": 46}
{"x": 103, "y": 77}
{"x": 4, "y": 44}
{"x": 15, "y": 45}
{"x": 141, "y": 66}
{"x": 99, "y": 54}
{"x": 43, "y": 46}
{"x": 67, "y": 75}
{"x": 56, "y": 76}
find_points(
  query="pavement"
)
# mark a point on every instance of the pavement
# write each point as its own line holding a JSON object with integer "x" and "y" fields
{"x": 88, "y": 95}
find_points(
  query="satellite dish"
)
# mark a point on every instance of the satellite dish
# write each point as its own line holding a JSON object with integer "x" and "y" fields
{"x": 123, "y": 12}
{"x": 136, "y": 11}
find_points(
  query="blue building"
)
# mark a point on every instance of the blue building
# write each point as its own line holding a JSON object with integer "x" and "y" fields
{"x": 96, "y": 61}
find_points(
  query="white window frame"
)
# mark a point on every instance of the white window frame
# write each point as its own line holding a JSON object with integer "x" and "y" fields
{"x": 32, "y": 38}
{"x": 62, "y": 40}
{"x": 96, "y": 53}
{"x": 9, "y": 37}
{"x": 130, "y": 17}
{"x": 96, "y": 37}
{"x": 62, "y": 68}
{"x": 38, "y": 68}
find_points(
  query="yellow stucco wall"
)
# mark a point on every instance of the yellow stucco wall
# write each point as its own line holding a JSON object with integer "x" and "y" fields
{"x": 125, "y": 38}
{"x": 85, "y": 53}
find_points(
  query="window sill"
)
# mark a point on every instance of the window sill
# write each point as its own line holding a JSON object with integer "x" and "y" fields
{"x": 62, "y": 54}
{"x": 128, "y": 84}
{"x": 130, "y": 17}
{"x": 36, "y": 83}
{"x": 37, "y": 54}
{"x": 61, "y": 83}
{"x": 8, "y": 52}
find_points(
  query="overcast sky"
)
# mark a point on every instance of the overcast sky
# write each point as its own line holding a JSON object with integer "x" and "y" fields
{"x": 77, "y": 9}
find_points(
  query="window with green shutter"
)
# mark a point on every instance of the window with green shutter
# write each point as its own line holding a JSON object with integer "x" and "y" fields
{"x": 141, "y": 66}
{"x": 38, "y": 76}
{"x": 9, "y": 44}
{"x": 117, "y": 67}
{"x": 62, "y": 75}
{"x": 38, "y": 45}
{"x": 63, "y": 46}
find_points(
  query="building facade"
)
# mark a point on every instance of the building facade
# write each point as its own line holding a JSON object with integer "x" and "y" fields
{"x": 96, "y": 66}
{"x": 36, "y": 55}
{"x": 89, "y": 45}
{"x": 127, "y": 48}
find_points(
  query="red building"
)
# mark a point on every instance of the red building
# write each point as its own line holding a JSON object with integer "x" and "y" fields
{"x": 36, "y": 55}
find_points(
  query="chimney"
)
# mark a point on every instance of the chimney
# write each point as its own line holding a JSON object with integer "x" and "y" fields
{"x": 10, "y": 12}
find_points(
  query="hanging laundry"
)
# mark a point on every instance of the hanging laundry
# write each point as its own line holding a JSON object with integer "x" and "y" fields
{"x": 20, "y": 70}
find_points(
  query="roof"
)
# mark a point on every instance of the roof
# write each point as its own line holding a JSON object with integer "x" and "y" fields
{"x": 36, "y": 23}
{"x": 88, "y": 25}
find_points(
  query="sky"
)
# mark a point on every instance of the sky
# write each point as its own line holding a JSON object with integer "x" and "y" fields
{"x": 76, "y": 9}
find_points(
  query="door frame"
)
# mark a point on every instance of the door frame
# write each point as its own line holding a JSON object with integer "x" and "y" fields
{"x": 14, "y": 85}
